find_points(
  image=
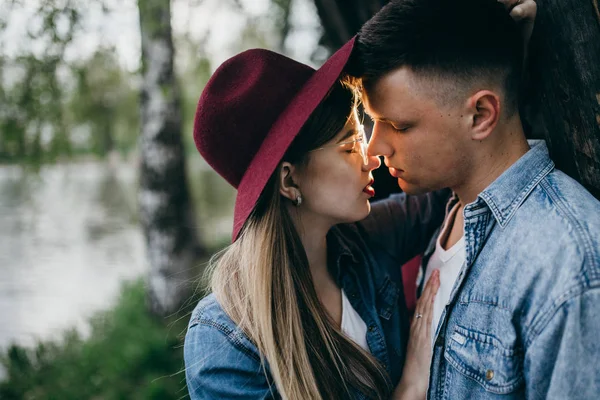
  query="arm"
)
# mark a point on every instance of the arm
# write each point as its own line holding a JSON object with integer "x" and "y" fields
{"x": 403, "y": 224}
{"x": 216, "y": 368}
{"x": 562, "y": 361}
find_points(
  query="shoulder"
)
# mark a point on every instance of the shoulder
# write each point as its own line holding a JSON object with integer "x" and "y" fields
{"x": 571, "y": 214}
{"x": 220, "y": 360}
{"x": 558, "y": 231}
{"x": 210, "y": 325}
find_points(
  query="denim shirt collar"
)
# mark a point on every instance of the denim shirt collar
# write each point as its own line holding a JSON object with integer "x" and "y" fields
{"x": 507, "y": 192}
{"x": 337, "y": 251}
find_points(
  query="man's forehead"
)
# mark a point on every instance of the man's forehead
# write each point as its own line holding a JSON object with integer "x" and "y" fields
{"x": 376, "y": 109}
{"x": 399, "y": 93}
{"x": 386, "y": 104}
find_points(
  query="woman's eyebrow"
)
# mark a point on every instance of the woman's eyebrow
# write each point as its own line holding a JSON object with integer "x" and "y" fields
{"x": 351, "y": 132}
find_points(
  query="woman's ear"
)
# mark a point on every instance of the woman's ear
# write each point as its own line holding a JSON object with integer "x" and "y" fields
{"x": 287, "y": 184}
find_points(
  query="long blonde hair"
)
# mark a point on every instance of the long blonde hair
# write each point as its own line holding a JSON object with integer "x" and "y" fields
{"x": 263, "y": 282}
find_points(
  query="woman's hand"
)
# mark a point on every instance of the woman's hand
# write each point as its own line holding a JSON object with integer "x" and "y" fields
{"x": 415, "y": 376}
{"x": 523, "y": 12}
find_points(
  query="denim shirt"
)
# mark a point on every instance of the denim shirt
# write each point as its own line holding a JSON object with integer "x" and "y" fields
{"x": 365, "y": 258}
{"x": 524, "y": 315}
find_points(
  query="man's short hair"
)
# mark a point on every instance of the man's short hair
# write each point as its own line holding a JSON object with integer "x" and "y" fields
{"x": 463, "y": 42}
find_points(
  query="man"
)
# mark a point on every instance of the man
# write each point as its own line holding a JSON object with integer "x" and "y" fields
{"x": 518, "y": 309}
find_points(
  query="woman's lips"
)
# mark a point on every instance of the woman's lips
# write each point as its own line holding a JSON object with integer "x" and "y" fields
{"x": 369, "y": 189}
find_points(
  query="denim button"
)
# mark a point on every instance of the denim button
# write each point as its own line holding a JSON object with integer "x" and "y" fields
{"x": 371, "y": 328}
{"x": 489, "y": 375}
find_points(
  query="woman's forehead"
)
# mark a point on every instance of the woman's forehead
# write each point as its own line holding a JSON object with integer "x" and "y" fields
{"x": 349, "y": 130}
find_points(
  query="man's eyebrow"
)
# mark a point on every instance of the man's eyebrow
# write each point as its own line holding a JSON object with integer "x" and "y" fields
{"x": 393, "y": 122}
{"x": 382, "y": 119}
{"x": 368, "y": 114}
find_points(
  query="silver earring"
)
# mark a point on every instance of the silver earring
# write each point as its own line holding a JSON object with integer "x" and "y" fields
{"x": 298, "y": 200}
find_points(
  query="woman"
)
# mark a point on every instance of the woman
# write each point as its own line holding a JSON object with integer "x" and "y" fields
{"x": 306, "y": 302}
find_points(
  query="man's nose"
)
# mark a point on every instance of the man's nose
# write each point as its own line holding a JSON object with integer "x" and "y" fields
{"x": 377, "y": 145}
{"x": 373, "y": 162}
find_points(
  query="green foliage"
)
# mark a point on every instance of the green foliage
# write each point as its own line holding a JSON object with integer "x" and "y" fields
{"x": 51, "y": 107}
{"x": 129, "y": 355}
{"x": 32, "y": 114}
{"x": 103, "y": 107}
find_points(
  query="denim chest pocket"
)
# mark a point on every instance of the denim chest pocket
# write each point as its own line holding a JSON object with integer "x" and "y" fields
{"x": 483, "y": 358}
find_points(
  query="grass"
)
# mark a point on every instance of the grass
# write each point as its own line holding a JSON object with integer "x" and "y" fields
{"x": 129, "y": 354}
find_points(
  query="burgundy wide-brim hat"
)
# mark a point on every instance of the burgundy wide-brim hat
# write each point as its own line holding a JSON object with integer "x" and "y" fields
{"x": 251, "y": 110}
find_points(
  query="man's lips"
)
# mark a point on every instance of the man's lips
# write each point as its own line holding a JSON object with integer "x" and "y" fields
{"x": 369, "y": 189}
{"x": 395, "y": 172}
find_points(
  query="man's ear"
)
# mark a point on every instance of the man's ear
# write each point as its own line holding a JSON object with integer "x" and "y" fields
{"x": 485, "y": 107}
{"x": 287, "y": 185}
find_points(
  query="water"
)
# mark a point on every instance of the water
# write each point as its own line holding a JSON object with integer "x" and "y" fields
{"x": 69, "y": 237}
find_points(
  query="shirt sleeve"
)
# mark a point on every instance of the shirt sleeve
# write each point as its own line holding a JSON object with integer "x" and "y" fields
{"x": 403, "y": 224}
{"x": 217, "y": 366}
{"x": 562, "y": 361}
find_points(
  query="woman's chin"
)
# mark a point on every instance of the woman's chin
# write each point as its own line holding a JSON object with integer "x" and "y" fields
{"x": 362, "y": 212}
{"x": 358, "y": 213}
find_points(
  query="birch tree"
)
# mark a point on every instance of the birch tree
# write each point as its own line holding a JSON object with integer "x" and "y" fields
{"x": 165, "y": 208}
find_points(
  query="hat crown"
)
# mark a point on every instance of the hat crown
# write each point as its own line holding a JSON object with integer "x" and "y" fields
{"x": 240, "y": 103}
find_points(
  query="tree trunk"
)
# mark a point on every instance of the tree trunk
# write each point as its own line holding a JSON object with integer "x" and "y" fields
{"x": 562, "y": 99}
{"x": 341, "y": 19}
{"x": 165, "y": 208}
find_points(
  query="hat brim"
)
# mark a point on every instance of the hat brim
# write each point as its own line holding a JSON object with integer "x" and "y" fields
{"x": 283, "y": 132}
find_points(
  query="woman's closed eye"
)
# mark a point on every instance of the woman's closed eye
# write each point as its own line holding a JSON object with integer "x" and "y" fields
{"x": 351, "y": 147}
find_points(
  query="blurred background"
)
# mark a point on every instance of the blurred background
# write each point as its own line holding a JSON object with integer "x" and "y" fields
{"x": 75, "y": 317}
{"x": 108, "y": 214}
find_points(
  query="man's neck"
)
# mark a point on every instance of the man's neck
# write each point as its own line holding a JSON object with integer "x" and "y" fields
{"x": 454, "y": 228}
{"x": 501, "y": 151}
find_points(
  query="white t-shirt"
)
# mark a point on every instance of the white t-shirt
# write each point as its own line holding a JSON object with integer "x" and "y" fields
{"x": 449, "y": 262}
{"x": 353, "y": 325}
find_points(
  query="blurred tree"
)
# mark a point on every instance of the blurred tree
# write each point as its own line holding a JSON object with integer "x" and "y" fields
{"x": 51, "y": 107}
{"x": 33, "y": 112}
{"x": 165, "y": 208}
{"x": 104, "y": 103}
{"x": 562, "y": 100}
{"x": 281, "y": 17}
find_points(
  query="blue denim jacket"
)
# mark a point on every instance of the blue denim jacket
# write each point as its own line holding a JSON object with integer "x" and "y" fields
{"x": 223, "y": 363}
{"x": 523, "y": 320}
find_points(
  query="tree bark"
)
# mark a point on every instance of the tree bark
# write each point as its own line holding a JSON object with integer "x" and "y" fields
{"x": 562, "y": 104}
{"x": 561, "y": 101}
{"x": 342, "y": 19}
{"x": 165, "y": 208}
